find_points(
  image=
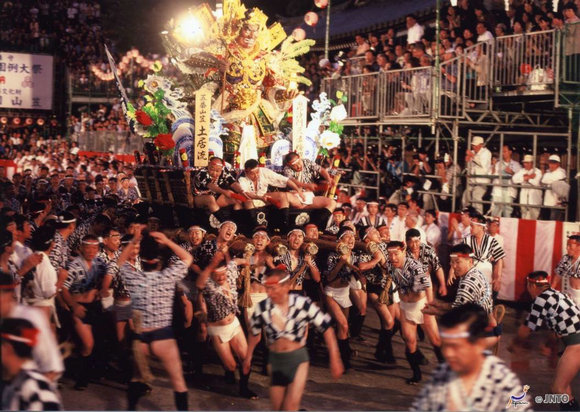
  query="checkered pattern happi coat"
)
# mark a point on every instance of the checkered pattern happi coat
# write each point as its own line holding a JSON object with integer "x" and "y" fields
{"x": 427, "y": 257}
{"x": 474, "y": 288}
{"x": 152, "y": 292}
{"x": 558, "y": 312}
{"x": 491, "y": 392}
{"x": 411, "y": 277}
{"x": 30, "y": 391}
{"x": 301, "y": 312}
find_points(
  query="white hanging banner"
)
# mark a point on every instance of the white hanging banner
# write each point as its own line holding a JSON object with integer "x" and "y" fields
{"x": 26, "y": 81}
{"x": 248, "y": 148}
{"x": 202, "y": 125}
{"x": 299, "y": 117}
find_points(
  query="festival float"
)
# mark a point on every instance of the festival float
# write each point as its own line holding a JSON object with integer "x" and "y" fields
{"x": 236, "y": 98}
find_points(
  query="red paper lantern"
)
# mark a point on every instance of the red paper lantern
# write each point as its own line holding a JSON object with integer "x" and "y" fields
{"x": 311, "y": 18}
{"x": 16, "y": 121}
{"x": 3, "y": 120}
{"x": 28, "y": 121}
{"x": 298, "y": 34}
{"x": 321, "y": 3}
{"x": 525, "y": 68}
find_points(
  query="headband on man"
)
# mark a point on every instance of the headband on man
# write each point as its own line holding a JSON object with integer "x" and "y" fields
{"x": 368, "y": 231}
{"x": 475, "y": 222}
{"x": 458, "y": 335}
{"x": 28, "y": 337}
{"x": 538, "y": 282}
{"x": 231, "y": 223}
{"x": 90, "y": 242}
{"x": 345, "y": 231}
{"x": 62, "y": 219}
{"x": 296, "y": 230}
{"x": 462, "y": 255}
{"x": 263, "y": 233}
{"x": 294, "y": 161}
{"x": 270, "y": 282}
{"x": 192, "y": 228}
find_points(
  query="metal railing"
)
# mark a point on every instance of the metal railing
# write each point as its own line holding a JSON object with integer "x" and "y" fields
{"x": 109, "y": 141}
{"x": 362, "y": 179}
{"x": 362, "y": 92}
{"x": 501, "y": 181}
{"x": 450, "y": 86}
{"x": 524, "y": 62}
{"x": 571, "y": 53}
{"x": 356, "y": 64}
{"x": 405, "y": 93}
{"x": 477, "y": 68}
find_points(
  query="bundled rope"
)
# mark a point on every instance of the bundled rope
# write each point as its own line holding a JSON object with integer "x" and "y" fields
{"x": 140, "y": 358}
{"x": 245, "y": 299}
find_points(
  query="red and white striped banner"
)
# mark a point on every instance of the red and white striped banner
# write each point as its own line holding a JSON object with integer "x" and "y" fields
{"x": 529, "y": 245}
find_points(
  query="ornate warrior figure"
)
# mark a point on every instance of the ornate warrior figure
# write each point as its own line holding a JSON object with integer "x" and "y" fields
{"x": 253, "y": 84}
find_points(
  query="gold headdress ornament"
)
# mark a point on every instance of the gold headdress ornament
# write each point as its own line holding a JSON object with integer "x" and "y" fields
{"x": 255, "y": 16}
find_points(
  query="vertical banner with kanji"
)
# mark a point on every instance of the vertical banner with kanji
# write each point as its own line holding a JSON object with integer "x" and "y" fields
{"x": 299, "y": 117}
{"x": 202, "y": 125}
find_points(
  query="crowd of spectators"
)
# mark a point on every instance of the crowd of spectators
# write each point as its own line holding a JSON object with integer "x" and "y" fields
{"x": 461, "y": 26}
{"x": 101, "y": 118}
{"x": 72, "y": 29}
{"x": 401, "y": 174}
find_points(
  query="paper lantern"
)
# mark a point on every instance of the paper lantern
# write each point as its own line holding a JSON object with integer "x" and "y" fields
{"x": 525, "y": 68}
{"x": 321, "y": 3}
{"x": 298, "y": 34}
{"x": 311, "y": 18}
{"x": 29, "y": 121}
{"x": 16, "y": 120}
{"x": 3, "y": 120}
{"x": 40, "y": 121}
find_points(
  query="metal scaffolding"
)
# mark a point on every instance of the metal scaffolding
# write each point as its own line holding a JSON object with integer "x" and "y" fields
{"x": 507, "y": 88}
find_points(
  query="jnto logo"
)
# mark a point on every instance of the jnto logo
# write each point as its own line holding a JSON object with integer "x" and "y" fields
{"x": 515, "y": 401}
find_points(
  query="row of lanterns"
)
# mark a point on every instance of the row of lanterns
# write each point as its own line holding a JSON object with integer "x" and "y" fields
{"x": 17, "y": 121}
{"x": 311, "y": 19}
{"x": 124, "y": 65}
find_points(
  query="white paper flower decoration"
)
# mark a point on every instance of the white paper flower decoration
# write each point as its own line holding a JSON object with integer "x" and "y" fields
{"x": 153, "y": 83}
{"x": 329, "y": 140}
{"x": 338, "y": 113}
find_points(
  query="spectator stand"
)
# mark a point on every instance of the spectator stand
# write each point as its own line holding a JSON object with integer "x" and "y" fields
{"x": 560, "y": 143}
{"x": 568, "y": 86}
{"x": 486, "y": 94}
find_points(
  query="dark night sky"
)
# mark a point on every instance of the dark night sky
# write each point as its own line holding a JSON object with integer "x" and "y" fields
{"x": 139, "y": 22}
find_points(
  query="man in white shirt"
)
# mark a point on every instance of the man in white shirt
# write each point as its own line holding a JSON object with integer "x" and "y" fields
{"x": 411, "y": 222}
{"x": 415, "y": 31}
{"x": 22, "y": 234}
{"x": 40, "y": 290}
{"x": 478, "y": 163}
{"x": 529, "y": 176}
{"x": 361, "y": 45}
{"x": 255, "y": 187}
{"x": 483, "y": 33}
{"x": 399, "y": 230}
{"x": 431, "y": 229}
{"x": 504, "y": 169}
{"x": 493, "y": 231}
{"x": 46, "y": 353}
{"x": 554, "y": 174}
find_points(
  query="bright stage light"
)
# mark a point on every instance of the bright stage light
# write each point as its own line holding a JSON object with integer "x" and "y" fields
{"x": 190, "y": 29}
{"x": 219, "y": 10}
